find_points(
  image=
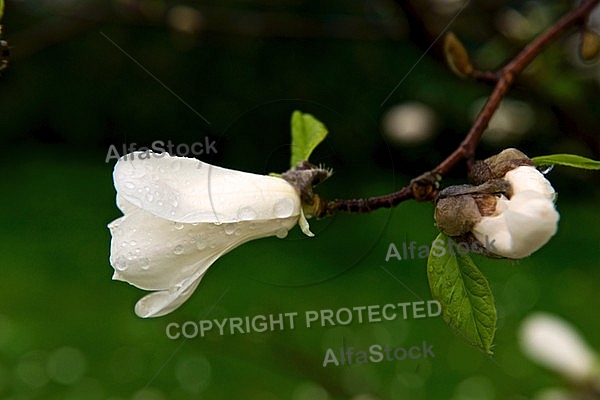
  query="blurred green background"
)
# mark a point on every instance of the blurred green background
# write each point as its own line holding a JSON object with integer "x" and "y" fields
{"x": 68, "y": 332}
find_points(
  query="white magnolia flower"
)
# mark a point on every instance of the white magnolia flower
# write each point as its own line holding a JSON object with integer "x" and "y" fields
{"x": 555, "y": 344}
{"x": 525, "y": 222}
{"x": 181, "y": 215}
{"x": 508, "y": 210}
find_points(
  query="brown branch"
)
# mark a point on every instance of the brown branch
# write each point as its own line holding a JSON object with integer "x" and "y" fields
{"x": 425, "y": 187}
{"x": 485, "y": 76}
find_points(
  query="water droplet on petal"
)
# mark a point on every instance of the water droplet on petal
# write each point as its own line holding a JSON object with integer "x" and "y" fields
{"x": 201, "y": 245}
{"x": 120, "y": 264}
{"x": 246, "y": 214}
{"x": 546, "y": 170}
{"x": 149, "y": 197}
{"x": 178, "y": 249}
{"x": 176, "y": 165}
{"x": 178, "y": 226}
{"x": 133, "y": 243}
{"x": 229, "y": 228}
{"x": 160, "y": 203}
{"x": 144, "y": 263}
{"x": 130, "y": 185}
{"x": 281, "y": 233}
{"x": 283, "y": 208}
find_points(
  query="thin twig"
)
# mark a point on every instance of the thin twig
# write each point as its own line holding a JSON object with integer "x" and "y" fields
{"x": 425, "y": 187}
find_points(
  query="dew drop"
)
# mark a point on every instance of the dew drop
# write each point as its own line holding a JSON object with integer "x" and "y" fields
{"x": 176, "y": 165}
{"x": 178, "y": 249}
{"x": 149, "y": 197}
{"x": 201, "y": 245}
{"x": 133, "y": 243}
{"x": 237, "y": 232}
{"x": 246, "y": 214}
{"x": 160, "y": 203}
{"x": 178, "y": 226}
{"x": 130, "y": 185}
{"x": 546, "y": 170}
{"x": 229, "y": 228}
{"x": 281, "y": 233}
{"x": 283, "y": 208}
{"x": 144, "y": 263}
{"x": 120, "y": 264}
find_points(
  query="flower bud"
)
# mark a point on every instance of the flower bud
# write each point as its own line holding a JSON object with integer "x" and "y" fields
{"x": 555, "y": 344}
{"x": 510, "y": 207}
{"x": 495, "y": 167}
{"x": 589, "y": 46}
{"x": 457, "y": 56}
{"x": 180, "y": 215}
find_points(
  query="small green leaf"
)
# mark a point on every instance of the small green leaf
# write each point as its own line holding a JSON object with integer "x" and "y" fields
{"x": 1, "y": 9}
{"x": 307, "y": 133}
{"x": 570, "y": 160}
{"x": 462, "y": 290}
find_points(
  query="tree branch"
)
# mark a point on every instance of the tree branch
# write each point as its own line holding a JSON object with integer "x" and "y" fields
{"x": 425, "y": 187}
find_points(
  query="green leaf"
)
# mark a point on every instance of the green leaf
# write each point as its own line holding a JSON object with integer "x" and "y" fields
{"x": 1, "y": 9}
{"x": 570, "y": 160}
{"x": 307, "y": 133}
{"x": 462, "y": 290}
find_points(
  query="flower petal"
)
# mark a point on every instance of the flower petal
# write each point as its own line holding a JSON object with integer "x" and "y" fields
{"x": 187, "y": 190}
{"x": 161, "y": 303}
{"x": 527, "y": 178}
{"x": 154, "y": 254}
{"x": 532, "y": 221}
{"x": 524, "y": 226}
{"x": 494, "y": 230}
{"x": 554, "y": 343}
{"x": 172, "y": 257}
